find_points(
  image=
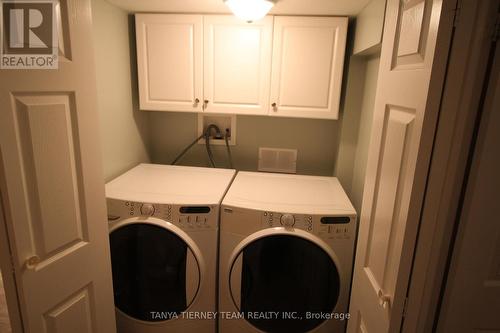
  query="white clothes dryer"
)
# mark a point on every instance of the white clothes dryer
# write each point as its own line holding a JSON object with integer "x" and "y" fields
{"x": 286, "y": 254}
{"x": 163, "y": 225}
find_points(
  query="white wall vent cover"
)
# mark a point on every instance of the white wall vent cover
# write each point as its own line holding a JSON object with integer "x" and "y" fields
{"x": 278, "y": 160}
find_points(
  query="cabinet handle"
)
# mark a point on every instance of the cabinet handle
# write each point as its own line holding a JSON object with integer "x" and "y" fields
{"x": 205, "y": 101}
{"x": 196, "y": 101}
{"x": 274, "y": 107}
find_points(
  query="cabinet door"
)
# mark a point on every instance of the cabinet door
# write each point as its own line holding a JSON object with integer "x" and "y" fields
{"x": 237, "y": 65}
{"x": 308, "y": 59}
{"x": 170, "y": 60}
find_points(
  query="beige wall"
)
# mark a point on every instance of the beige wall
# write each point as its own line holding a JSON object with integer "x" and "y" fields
{"x": 369, "y": 28}
{"x": 356, "y": 128}
{"x": 349, "y": 121}
{"x": 315, "y": 140}
{"x": 123, "y": 128}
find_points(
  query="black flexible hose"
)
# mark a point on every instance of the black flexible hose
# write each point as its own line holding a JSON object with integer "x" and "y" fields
{"x": 186, "y": 149}
{"x": 229, "y": 157}
{"x": 209, "y": 150}
{"x": 206, "y": 135}
{"x": 207, "y": 141}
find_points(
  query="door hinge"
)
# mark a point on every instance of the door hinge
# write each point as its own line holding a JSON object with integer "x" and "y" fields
{"x": 12, "y": 265}
{"x": 405, "y": 306}
{"x": 456, "y": 18}
{"x": 496, "y": 29}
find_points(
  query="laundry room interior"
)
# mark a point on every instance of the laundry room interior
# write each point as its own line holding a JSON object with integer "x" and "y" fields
{"x": 337, "y": 147}
{"x": 257, "y": 166}
{"x": 331, "y": 142}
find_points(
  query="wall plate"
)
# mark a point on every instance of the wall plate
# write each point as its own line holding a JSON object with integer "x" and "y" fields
{"x": 223, "y": 121}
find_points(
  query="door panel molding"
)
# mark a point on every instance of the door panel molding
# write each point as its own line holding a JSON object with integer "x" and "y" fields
{"x": 411, "y": 34}
{"x": 70, "y": 312}
{"x": 55, "y": 201}
{"x": 397, "y": 138}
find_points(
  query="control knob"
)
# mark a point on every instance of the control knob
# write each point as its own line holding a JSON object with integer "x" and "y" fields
{"x": 287, "y": 220}
{"x": 147, "y": 209}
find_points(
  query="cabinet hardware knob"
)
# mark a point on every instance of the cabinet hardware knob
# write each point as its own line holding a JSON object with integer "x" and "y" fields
{"x": 384, "y": 300}
{"x": 206, "y": 101}
{"x": 196, "y": 101}
{"x": 274, "y": 107}
{"x": 32, "y": 262}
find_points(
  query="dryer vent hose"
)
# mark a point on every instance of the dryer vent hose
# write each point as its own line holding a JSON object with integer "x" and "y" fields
{"x": 207, "y": 134}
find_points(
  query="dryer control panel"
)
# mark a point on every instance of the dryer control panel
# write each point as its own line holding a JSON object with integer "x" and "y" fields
{"x": 326, "y": 227}
{"x": 189, "y": 218}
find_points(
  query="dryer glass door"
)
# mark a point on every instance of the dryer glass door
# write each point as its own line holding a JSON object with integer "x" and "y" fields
{"x": 288, "y": 284}
{"x": 149, "y": 272}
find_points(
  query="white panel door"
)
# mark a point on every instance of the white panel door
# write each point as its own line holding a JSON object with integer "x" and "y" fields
{"x": 472, "y": 296}
{"x": 237, "y": 64}
{"x": 391, "y": 195}
{"x": 53, "y": 187}
{"x": 307, "y": 66}
{"x": 170, "y": 61}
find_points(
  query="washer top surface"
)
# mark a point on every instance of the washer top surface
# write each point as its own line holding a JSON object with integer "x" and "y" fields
{"x": 288, "y": 194}
{"x": 168, "y": 184}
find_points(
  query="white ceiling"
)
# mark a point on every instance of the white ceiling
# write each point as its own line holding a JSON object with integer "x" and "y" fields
{"x": 282, "y": 7}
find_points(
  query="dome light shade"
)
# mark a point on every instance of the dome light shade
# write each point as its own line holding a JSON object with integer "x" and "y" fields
{"x": 250, "y": 10}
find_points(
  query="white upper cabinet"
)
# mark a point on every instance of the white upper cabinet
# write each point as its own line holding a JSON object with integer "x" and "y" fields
{"x": 170, "y": 61}
{"x": 307, "y": 65}
{"x": 220, "y": 64}
{"x": 237, "y": 65}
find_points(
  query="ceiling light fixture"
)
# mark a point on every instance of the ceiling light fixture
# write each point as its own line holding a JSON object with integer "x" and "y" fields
{"x": 250, "y": 10}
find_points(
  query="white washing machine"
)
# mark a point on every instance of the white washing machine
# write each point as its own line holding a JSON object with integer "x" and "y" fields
{"x": 163, "y": 225}
{"x": 286, "y": 254}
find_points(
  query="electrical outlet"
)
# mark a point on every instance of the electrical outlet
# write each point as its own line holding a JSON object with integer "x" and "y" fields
{"x": 223, "y": 121}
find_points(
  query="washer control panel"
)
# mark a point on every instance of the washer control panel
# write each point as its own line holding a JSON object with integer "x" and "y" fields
{"x": 189, "y": 218}
{"x": 326, "y": 227}
{"x": 273, "y": 219}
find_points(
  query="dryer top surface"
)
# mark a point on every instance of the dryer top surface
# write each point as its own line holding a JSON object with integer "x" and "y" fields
{"x": 167, "y": 184}
{"x": 288, "y": 193}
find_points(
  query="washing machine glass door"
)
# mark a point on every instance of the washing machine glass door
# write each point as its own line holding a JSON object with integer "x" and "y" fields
{"x": 283, "y": 282}
{"x": 156, "y": 271}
